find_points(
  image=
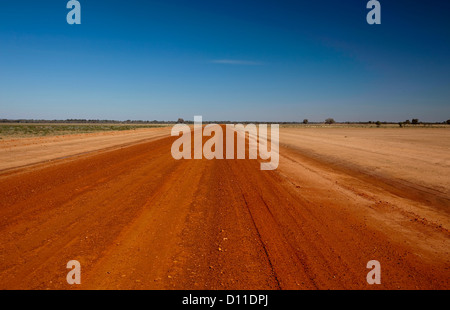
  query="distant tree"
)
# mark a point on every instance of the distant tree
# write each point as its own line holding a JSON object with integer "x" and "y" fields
{"x": 407, "y": 122}
{"x": 378, "y": 123}
{"x": 415, "y": 121}
{"x": 180, "y": 121}
{"x": 330, "y": 121}
{"x": 400, "y": 124}
{"x": 305, "y": 121}
{"x": 448, "y": 121}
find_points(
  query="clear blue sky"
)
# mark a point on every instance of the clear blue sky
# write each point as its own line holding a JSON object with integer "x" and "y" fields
{"x": 225, "y": 60}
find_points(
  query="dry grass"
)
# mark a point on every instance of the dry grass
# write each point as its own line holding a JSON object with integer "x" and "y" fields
{"x": 42, "y": 130}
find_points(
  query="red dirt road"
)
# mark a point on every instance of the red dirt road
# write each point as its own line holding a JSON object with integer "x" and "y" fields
{"x": 135, "y": 218}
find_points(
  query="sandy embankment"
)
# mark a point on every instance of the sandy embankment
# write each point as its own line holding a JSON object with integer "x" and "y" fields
{"x": 26, "y": 151}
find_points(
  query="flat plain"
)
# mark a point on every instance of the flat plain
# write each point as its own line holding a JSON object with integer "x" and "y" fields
{"x": 135, "y": 218}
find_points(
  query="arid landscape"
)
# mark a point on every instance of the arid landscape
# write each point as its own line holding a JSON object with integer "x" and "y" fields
{"x": 135, "y": 218}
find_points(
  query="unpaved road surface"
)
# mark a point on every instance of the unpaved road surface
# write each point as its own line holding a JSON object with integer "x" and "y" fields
{"x": 135, "y": 218}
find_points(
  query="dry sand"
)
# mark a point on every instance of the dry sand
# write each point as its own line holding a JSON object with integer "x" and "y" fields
{"x": 136, "y": 218}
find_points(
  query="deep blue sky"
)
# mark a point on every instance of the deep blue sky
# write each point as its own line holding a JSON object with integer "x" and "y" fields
{"x": 225, "y": 60}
